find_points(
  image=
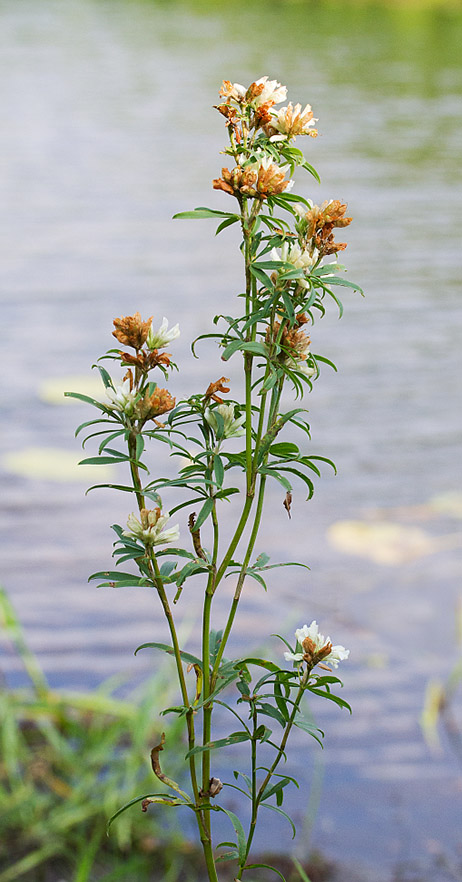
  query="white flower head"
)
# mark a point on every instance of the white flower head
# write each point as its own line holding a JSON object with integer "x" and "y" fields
{"x": 291, "y": 121}
{"x": 160, "y": 338}
{"x": 316, "y": 648}
{"x": 233, "y": 427}
{"x": 122, "y": 398}
{"x": 150, "y": 527}
{"x": 272, "y": 91}
{"x": 300, "y": 258}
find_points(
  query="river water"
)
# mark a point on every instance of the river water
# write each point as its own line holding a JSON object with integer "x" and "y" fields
{"x": 108, "y": 130}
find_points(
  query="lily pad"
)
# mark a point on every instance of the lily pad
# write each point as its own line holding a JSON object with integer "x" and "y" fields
{"x": 53, "y": 464}
{"x": 52, "y": 390}
{"x": 382, "y": 542}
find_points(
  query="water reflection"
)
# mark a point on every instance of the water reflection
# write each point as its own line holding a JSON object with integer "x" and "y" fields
{"x": 109, "y": 131}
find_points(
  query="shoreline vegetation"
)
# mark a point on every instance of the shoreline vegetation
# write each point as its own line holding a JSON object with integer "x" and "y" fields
{"x": 68, "y": 760}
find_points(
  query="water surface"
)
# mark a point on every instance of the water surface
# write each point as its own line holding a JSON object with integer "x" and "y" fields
{"x": 108, "y": 131}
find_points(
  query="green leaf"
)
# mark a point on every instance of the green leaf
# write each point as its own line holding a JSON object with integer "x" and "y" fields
{"x": 343, "y": 283}
{"x": 262, "y": 277}
{"x": 219, "y": 469}
{"x": 102, "y": 460}
{"x": 284, "y": 448}
{"x": 266, "y": 867}
{"x": 302, "y": 723}
{"x": 204, "y": 513}
{"x": 163, "y": 798}
{"x": 112, "y": 574}
{"x": 309, "y": 168}
{"x": 105, "y": 376}
{"x": 281, "y": 812}
{"x": 201, "y": 212}
{"x": 261, "y": 662}
{"x": 195, "y": 566}
{"x": 330, "y": 696}
{"x": 89, "y": 400}
{"x": 270, "y": 711}
{"x": 186, "y": 656}
{"x": 167, "y": 568}
{"x": 261, "y": 561}
{"x": 226, "y": 223}
{"x": 253, "y": 347}
{"x": 241, "y": 838}
{"x": 271, "y": 789}
{"x": 227, "y": 856}
{"x": 234, "y": 738}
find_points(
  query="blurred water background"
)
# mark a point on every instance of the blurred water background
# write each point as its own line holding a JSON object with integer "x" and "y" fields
{"x": 107, "y": 131}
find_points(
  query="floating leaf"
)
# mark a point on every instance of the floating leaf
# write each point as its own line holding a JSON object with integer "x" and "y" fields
{"x": 52, "y": 390}
{"x": 49, "y": 464}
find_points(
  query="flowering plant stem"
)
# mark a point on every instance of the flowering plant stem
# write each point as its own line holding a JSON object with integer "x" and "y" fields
{"x": 285, "y": 240}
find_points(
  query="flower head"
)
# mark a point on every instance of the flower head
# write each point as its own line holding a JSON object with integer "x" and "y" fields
{"x": 162, "y": 337}
{"x": 316, "y": 648}
{"x": 150, "y": 527}
{"x": 291, "y": 121}
{"x": 265, "y": 91}
{"x": 321, "y": 220}
{"x": 153, "y": 404}
{"x": 260, "y": 179}
{"x": 300, "y": 258}
{"x": 122, "y": 397}
{"x": 232, "y": 426}
{"x": 232, "y": 91}
{"x": 131, "y": 330}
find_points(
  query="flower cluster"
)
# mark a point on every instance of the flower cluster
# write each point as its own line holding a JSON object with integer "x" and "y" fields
{"x": 253, "y": 121}
{"x": 133, "y": 397}
{"x": 317, "y": 649}
{"x": 259, "y": 179}
{"x": 316, "y": 227}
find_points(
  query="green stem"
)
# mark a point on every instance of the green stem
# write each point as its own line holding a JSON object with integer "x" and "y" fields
{"x": 256, "y": 800}
{"x": 158, "y": 581}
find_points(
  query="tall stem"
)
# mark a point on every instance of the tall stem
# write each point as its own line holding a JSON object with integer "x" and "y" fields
{"x": 158, "y": 581}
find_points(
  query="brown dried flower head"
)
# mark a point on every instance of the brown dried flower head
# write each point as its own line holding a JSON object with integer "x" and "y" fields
{"x": 131, "y": 330}
{"x": 154, "y": 404}
{"x": 294, "y": 342}
{"x": 322, "y": 220}
{"x": 217, "y": 386}
{"x": 259, "y": 180}
{"x": 146, "y": 361}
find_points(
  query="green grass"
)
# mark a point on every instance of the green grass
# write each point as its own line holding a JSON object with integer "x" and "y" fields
{"x": 68, "y": 761}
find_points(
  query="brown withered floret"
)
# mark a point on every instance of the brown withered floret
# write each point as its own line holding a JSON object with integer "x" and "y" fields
{"x": 146, "y": 361}
{"x": 322, "y": 220}
{"x": 232, "y": 119}
{"x": 294, "y": 342}
{"x": 213, "y": 388}
{"x": 154, "y": 404}
{"x": 131, "y": 330}
{"x": 254, "y": 91}
{"x": 228, "y": 91}
{"x": 262, "y": 115}
{"x": 313, "y": 656}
